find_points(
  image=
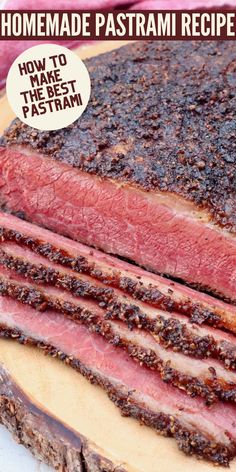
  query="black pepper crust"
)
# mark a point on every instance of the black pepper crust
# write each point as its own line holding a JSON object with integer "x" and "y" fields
{"x": 171, "y": 332}
{"x": 48, "y": 439}
{"x": 197, "y": 312}
{"x": 162, "y": 118}
{"x": 212, "y": 388}
{"x": 191, "y": 442}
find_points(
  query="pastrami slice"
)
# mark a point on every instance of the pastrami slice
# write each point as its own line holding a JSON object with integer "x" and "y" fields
{"x": 205, "y": 378}
{"x": 139, "y": 392}
{"x": 136, "y": 282}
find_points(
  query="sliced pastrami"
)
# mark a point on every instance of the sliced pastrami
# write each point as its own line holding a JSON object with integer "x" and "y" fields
{"x": 173, "y": 329}
{"x": 205, "y": 378}
{"x": 139, "y": 284}
{"x": 137, "y": 391}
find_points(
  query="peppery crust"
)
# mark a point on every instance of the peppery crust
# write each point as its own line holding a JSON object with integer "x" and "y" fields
{"x": 171, "y": 332}
{"x": 145, "y": 293}
{"x": 162, "y": 118}
{"x": 49, "y": 440}
{"x": 190, "y": 442}
{"x": 212, "y": 389}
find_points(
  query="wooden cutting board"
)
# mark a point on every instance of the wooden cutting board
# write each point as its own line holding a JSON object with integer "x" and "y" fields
{"x": 75, "y": 409}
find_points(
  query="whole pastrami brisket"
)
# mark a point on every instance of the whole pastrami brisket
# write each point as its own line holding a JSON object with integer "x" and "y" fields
{"x": 148, "y": 172}
{"x": 137, "y": 391}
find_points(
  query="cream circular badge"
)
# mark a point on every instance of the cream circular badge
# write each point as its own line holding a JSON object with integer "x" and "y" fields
{"x": 48, "y": 87}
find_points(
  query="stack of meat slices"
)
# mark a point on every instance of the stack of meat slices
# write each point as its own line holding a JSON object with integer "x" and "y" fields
{"x": 165, "y": 354}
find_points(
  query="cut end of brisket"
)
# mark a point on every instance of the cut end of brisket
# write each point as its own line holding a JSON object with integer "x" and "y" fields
{"x": 159, "y": 187}
{"x": 199, "y": 170}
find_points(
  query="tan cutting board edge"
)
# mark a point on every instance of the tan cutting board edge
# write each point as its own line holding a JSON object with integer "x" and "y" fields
{"x": 60, "y": 391}
{"x": 54, "y": 390}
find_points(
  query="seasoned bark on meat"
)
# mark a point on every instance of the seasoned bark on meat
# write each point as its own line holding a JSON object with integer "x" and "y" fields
{"x": 156, "y": 130}
{"x": 210, "y": 384}
{"x": 189, "y": 441}
{"x": 171, "y": 332}
{"x": 137, "y": 289}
